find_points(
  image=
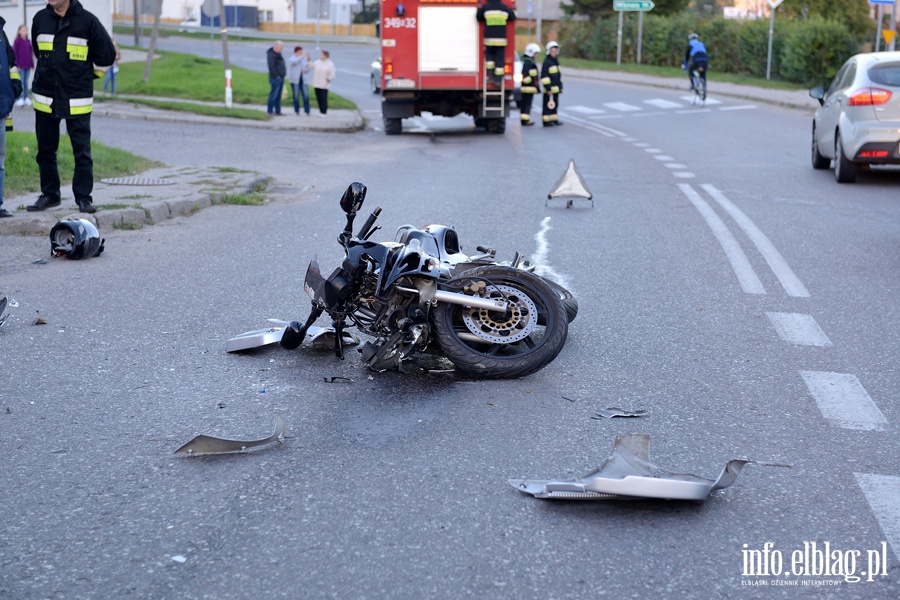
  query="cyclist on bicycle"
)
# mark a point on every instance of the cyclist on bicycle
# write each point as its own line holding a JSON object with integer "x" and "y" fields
{"x": 695, "y": 58}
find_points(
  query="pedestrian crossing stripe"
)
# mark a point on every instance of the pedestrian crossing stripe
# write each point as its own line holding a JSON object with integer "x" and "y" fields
{"x": 586, "y": 110}
{"x": 621, "y": 106}
{"x": 660, "y": 103}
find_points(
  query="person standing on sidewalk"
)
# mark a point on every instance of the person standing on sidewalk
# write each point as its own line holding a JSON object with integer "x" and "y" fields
{"x": 551, "y": 79}
{"x": 323, "y": 75}
{"x": 298, "y": 66}
{"x": 277, "y": 71}
{"x": 24, "y": 61}
{"x": 73, "y": 49}
{"x": 10, "y": 89}
{"x": 110, "y": 79}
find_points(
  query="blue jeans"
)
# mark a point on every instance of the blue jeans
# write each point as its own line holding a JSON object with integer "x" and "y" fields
{"x": 274, "y": 104}
{"x": 24, "y": 73}
{"x": 109, "y": 80}
{"x": 298, "y": 89}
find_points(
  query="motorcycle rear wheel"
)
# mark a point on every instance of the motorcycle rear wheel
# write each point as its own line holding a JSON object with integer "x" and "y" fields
{"x": 490, "y": 356}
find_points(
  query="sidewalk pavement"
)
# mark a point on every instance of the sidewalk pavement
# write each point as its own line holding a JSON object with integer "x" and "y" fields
{"x": 158, "y": 194}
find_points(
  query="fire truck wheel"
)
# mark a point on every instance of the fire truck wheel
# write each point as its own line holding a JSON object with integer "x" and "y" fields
{"x": 480, "y": 122}
{"x": 393, "y": 126}
{"x": 496, "y": 125}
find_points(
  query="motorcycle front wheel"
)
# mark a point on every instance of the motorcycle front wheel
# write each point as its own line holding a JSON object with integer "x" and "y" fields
{"x": 496, "y": 345}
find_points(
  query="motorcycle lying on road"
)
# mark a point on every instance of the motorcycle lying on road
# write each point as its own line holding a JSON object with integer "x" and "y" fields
{"x": 420, "y": 293}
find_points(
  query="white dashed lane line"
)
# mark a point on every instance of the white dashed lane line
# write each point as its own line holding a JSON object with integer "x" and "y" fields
{"x": 798, "y": 329}
{"x": 844, "y": 401}
{"x": 882, "y": 492}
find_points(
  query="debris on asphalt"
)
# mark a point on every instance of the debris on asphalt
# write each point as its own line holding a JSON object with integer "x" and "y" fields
{"x": 40, "y": 321}
{"x": 207, "y": 444}
{"x": 337, "y": 379}
{"x": 628, "y": 473}
{"x": 614, "y": 411}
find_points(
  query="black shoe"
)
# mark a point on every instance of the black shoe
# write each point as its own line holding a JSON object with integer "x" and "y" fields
{"x": 4, "y": 213}
{"x": 87, "y": 207}
{"x": 527, "y": 123}
{"x": 557, "y": 122}
{"x": 43, "y": 203}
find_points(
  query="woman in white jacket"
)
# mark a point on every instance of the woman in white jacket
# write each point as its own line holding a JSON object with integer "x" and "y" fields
{"x": 323, "y": 75}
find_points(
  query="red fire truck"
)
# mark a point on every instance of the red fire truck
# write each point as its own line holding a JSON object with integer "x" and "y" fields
{"x": 432, "y": 60}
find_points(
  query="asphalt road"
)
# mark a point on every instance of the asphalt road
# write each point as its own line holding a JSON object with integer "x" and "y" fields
{"x": 746, "y": 301}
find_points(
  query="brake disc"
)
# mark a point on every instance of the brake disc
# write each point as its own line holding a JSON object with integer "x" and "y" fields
{"x": 517, "y": 323}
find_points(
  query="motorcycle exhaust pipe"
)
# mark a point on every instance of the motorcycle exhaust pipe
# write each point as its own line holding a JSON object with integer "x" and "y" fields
{"x": 473, "y": 301}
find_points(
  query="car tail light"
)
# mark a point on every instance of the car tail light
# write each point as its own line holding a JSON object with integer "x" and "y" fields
{"x": 874, "y": 154}
{"x": 869, "y": 96}
{"x": 388, "y": 68}
{"x": 507, "y": 69}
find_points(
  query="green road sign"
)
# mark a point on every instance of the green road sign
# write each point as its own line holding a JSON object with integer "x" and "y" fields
{"x": 642, "y": 5}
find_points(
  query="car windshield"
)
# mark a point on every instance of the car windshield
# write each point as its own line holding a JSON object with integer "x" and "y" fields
{"x": 888, "y": 74}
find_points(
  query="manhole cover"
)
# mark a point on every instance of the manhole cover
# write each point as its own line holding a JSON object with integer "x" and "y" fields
{"x": 136, "y": 181}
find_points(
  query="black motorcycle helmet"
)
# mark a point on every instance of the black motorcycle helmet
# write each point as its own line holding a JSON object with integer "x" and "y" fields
{"x": 75, "y": 239}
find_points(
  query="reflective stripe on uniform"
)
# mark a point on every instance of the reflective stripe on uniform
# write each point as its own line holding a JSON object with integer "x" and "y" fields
{"x": 545, "y": 80}
{"x": 494, "y": 41}
{"x": 528, "y": 89}
{"x": 495, "y": 18}
{"x": 80, "y": 106}
{"x": 14, "y": 74}
{"x": 77, "y": 48}
{"x": 45, "y": 42}
{"x": 553, "y": 70}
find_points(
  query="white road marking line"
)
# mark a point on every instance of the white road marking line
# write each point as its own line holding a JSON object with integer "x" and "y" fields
{"x": 660, "y": 103}
{"x": 797, "y": 328}
{"x": 628, "y": 139}
{"x": 586, "y": 110}
{"x": 675, "y": 166}
{"x": 789, "y": 281}
{"x": 663, "y": 157}
{"x": 692, "y": 111}
{"x": 539, "y": 258}
{"x": 709, "y": 100}
{"x": 642, "y": 144}
{"x": 683, "y": 174}
{"x": 652, "y": 150}
{"x": 843, "y": 400}
{"x": 881, "y": 492}
{"x": 741, "y": 107}
{"x": 649, "y": 114}
{"x": 621, "y": 106}
{"x": 750, "y": 283}
{"x": 589, "y": 125}
{"x": 598, "y": 117}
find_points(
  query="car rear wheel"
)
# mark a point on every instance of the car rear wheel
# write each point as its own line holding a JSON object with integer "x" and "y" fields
{"x": 844, "y": 170}
{"x": 818, "y": 161}
{"x": 393, "y": 126}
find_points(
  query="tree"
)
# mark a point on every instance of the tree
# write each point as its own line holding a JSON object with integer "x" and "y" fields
{"x": 852, "y": 13}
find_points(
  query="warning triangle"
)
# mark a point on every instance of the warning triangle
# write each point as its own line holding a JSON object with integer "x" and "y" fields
{"x": 571, "y": 184}
{"x": 888, "y": 35}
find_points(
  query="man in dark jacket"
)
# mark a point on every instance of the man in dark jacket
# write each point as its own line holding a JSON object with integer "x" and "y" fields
{"x": 10, "y": 89}
{"x": 73, "y": 49}
{"x": 277, "y": 71}
{"x": 530, "y": 84}
{"x": 495, "y": 15}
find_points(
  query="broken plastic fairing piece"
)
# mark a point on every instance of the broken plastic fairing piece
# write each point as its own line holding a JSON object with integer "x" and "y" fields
{"x": 615, "y": 411}
{"x": 628, "y": 472}
{"x": 319, "y": 338}
{"x": 207, "y": 444}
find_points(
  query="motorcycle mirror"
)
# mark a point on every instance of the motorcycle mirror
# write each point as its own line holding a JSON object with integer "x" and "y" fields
{"x": 352, "y": 200}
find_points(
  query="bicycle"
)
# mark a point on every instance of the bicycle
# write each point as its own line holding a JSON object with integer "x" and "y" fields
{"x": 698, "y": 86}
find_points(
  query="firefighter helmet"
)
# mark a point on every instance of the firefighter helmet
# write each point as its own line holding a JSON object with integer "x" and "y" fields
{"x": 693, "y": 36}
{"x": 532, "y": 49}
{"x": 552, "y": 45}
{"x": 75, "y": 239}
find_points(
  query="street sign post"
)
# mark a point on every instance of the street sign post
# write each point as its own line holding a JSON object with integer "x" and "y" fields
{"x": 640, "y": 6}
{"x": 773, "y": 4}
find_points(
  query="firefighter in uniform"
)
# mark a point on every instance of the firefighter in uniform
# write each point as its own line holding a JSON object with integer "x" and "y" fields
{"x": 10, "y": 89}
{"x": 73, "y": 49}
{"x": 530, "y": 83}
{"x": 551, "y": 79}
{"x": 495, "y": 15}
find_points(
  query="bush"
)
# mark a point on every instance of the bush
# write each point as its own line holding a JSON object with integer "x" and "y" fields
{"x": 814, "y": 50}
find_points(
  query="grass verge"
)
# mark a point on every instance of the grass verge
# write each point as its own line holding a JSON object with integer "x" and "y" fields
{"x": 22, "y": 176}
{"x": 201, "y": 109}
{"x": 189, "y": 77}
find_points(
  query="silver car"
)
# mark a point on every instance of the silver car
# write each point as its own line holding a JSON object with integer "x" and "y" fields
{"x": 858, "y": 122}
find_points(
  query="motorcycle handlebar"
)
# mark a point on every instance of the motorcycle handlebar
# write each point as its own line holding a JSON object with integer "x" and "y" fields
{"x": 365, "y": 230}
